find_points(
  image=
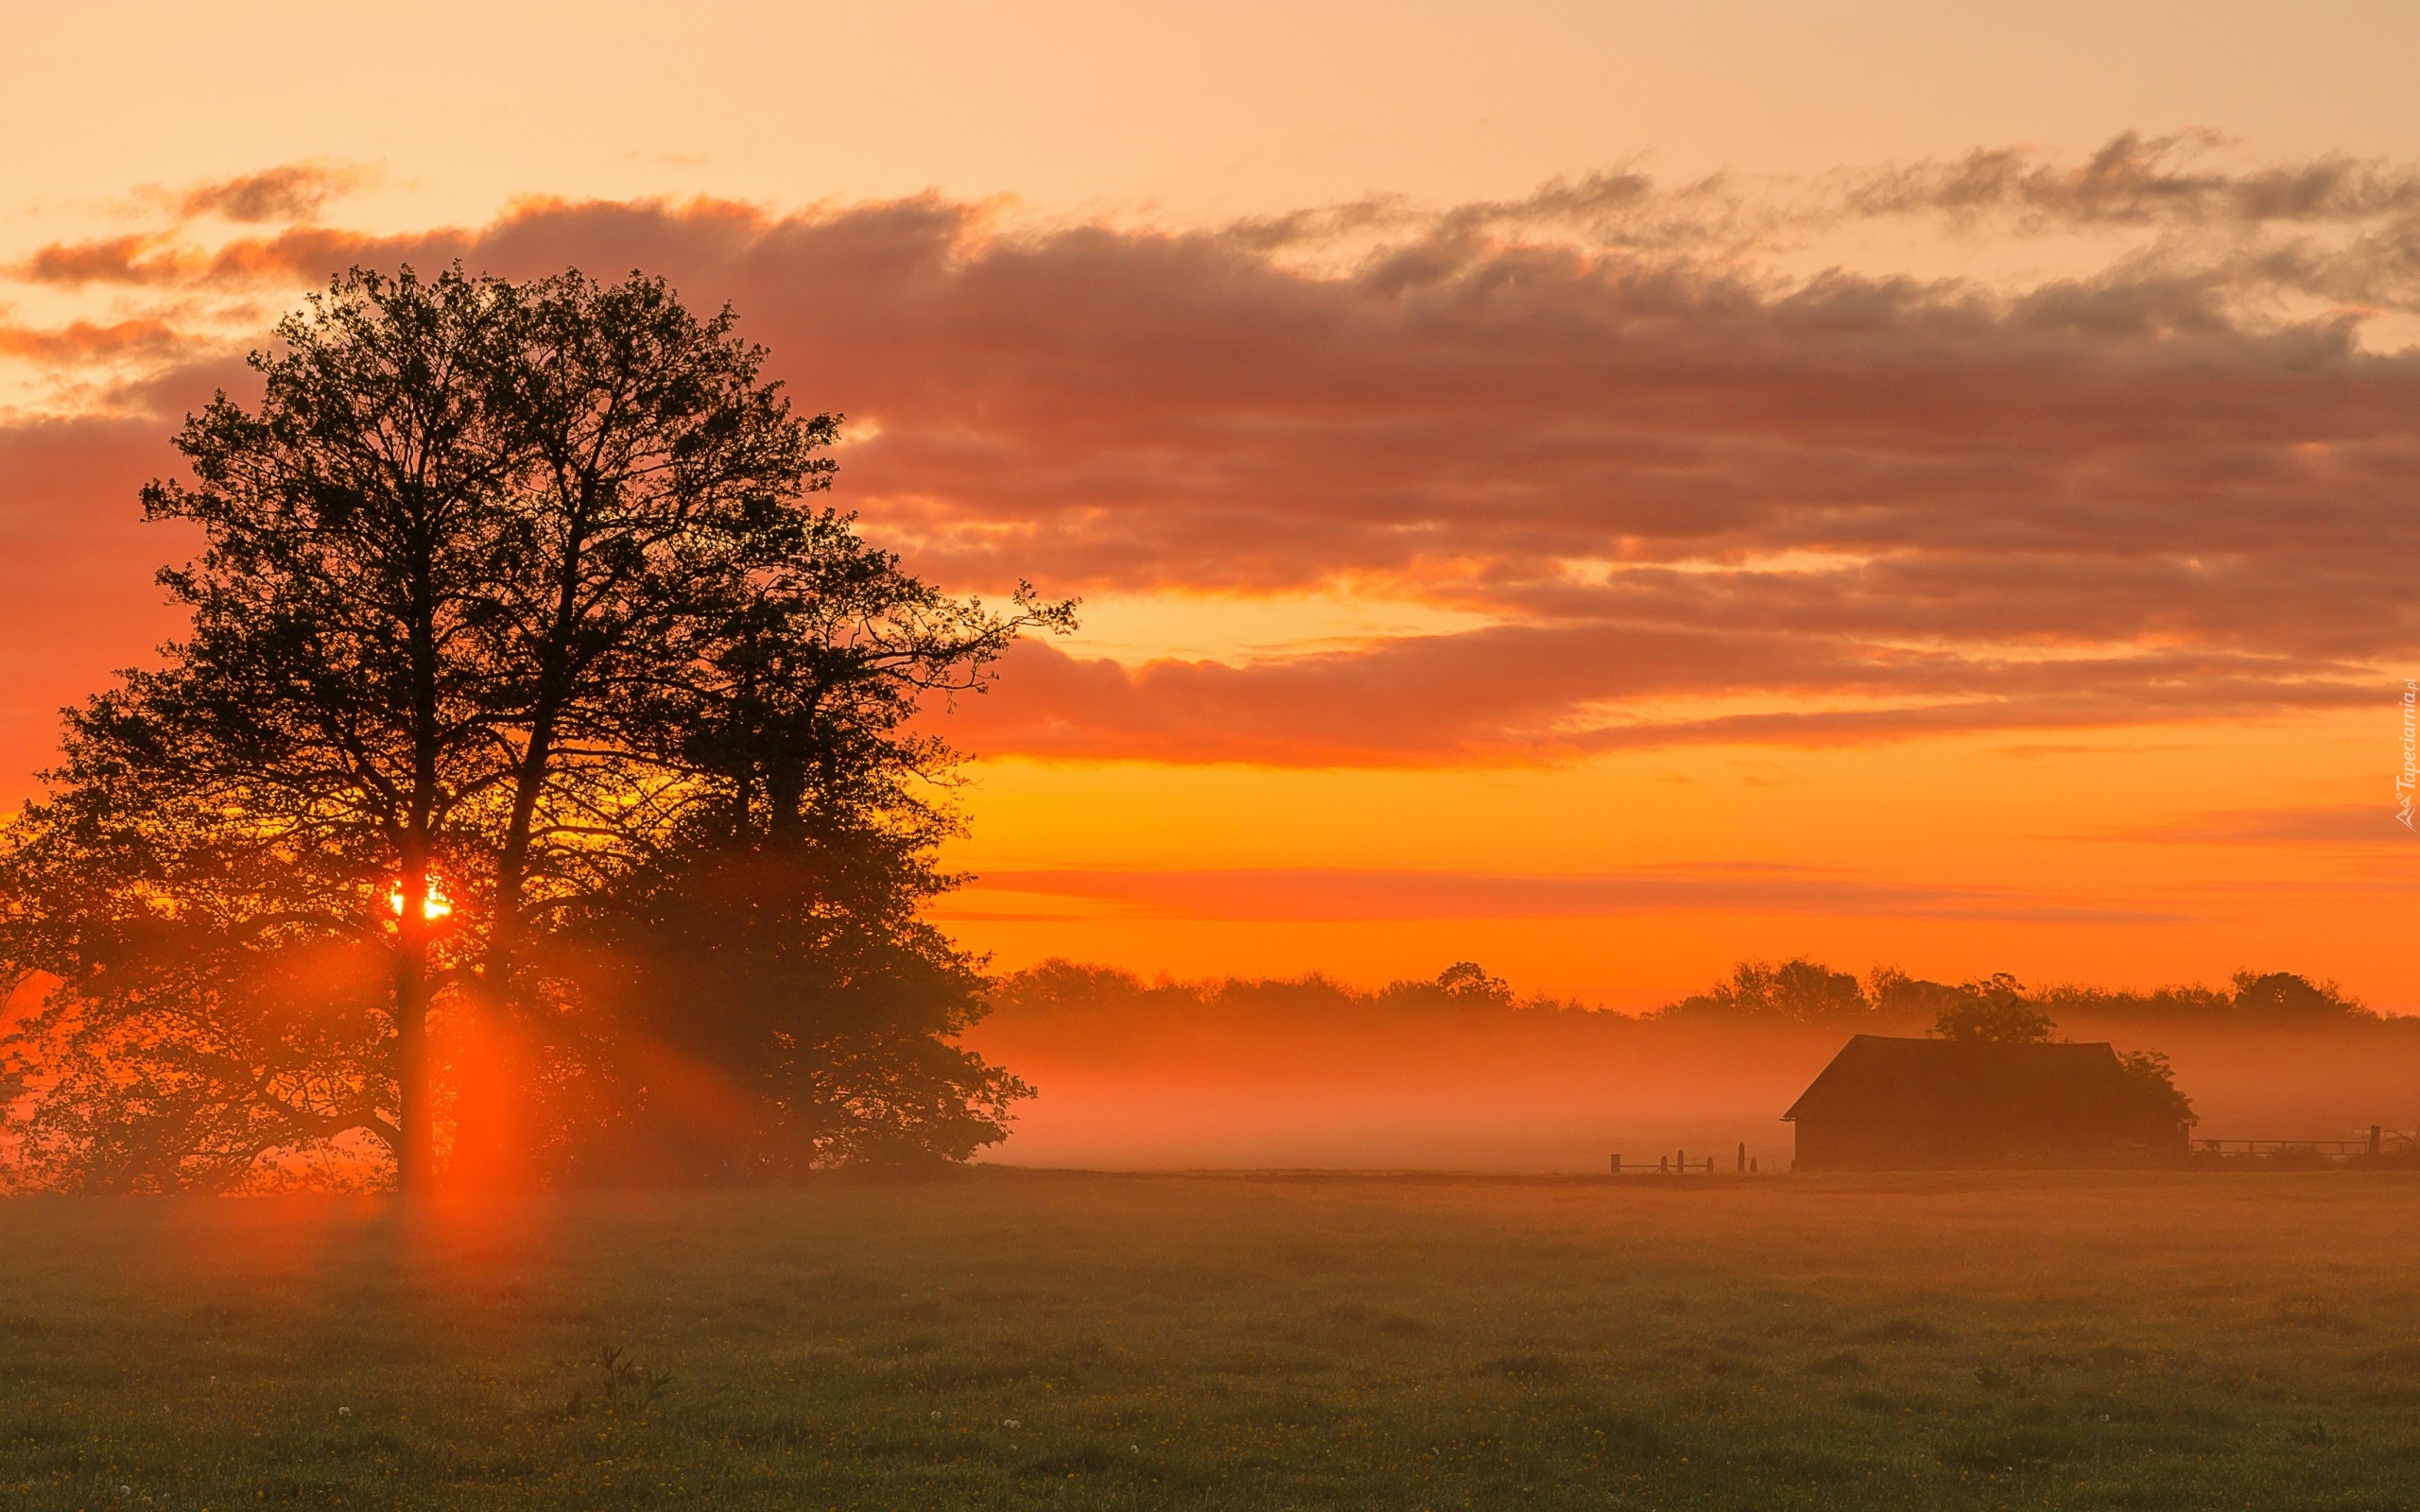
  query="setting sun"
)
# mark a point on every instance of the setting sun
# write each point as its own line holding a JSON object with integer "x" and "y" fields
{"x": 433, "y": 906}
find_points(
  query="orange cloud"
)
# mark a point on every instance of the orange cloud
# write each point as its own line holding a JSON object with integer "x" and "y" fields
{"x": 2134, "y": 179}
{"x": 307, "y": 254}
{"x": 82, "y": 341}
{"x": 108, "y": 260}
{"x": 293, "y": 191}
{"x": 1519, "y": 693}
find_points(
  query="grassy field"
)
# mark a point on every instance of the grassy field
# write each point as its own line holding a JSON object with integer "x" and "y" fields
{"x": 1027, "y": 1340}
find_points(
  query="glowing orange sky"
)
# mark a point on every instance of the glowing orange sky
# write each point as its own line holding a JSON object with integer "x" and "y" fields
{"x": 1587, "y": 579}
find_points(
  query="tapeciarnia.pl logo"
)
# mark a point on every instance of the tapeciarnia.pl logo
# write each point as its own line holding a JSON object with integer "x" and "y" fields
{"x": 2403, "y": 780}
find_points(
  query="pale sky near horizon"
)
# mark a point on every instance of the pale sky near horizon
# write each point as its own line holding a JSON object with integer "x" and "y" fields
{"x": 2233, "y": 817}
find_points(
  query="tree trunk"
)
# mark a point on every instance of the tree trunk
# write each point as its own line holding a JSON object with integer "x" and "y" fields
{"x": 416, "y": 1159}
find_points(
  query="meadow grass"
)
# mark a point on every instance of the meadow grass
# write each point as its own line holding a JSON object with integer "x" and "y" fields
{"x": 1014, "y": 1340}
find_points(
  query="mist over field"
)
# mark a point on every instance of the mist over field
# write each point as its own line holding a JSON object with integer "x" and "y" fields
{"x": 1310, "y": 1073}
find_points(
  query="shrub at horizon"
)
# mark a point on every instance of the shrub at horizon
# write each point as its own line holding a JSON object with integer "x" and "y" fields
{"x": 527, "y": 698}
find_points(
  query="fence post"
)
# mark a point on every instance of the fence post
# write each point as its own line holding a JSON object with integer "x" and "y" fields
{"x": 1662, "y": 1166}
{"x": 1617, "y": 1163}
{"x": 1743, "y": 1156}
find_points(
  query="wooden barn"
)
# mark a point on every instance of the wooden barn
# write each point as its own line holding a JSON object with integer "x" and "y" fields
{"x": 1894, "y": 1104}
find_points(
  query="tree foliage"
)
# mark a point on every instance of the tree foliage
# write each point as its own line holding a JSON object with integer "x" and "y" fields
{"x": 524, "y": 681}
{"x": 2165, "y": 1107}
{"x": 1796, "y": 991}
{"x": 1995, "y": 1012}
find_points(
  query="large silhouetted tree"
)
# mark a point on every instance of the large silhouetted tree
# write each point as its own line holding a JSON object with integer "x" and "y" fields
{"x": 512, "y": 605}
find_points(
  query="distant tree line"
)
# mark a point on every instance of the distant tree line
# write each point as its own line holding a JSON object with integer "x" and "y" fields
{"x": 1794, "y": 994}
{"x": 1803, "y": 991}
{"x": 1462, "y": 993}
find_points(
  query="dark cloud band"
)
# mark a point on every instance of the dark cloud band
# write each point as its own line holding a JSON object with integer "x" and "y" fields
{"x": 1687, "y": 498}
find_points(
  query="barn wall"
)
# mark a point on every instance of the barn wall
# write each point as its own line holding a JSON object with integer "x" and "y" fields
{"x": 1828, "y": 1141}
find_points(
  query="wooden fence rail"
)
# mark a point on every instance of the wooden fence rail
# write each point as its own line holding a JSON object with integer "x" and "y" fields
{"x": 1678, "y": 1163}
{"x": 2255, "y": 1147}
{"x": 2375, "y": 1145}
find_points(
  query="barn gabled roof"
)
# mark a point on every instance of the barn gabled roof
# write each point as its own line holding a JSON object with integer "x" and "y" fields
{"x": 1924, "y": 1081}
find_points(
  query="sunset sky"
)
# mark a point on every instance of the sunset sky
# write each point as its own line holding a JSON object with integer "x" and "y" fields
{"x": 1604, "y": 491}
